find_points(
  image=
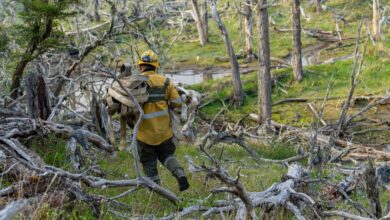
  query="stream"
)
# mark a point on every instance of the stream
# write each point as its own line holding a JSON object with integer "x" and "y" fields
{"x": 190, "y": 76}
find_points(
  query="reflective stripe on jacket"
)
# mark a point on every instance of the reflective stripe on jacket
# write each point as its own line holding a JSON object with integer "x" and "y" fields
{"x": 156, "y": 127}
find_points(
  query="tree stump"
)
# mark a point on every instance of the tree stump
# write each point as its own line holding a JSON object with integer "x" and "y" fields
{"x": 38, "y": 102}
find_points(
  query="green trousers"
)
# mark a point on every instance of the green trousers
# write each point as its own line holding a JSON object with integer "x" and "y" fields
{"x": 164, "y": 152}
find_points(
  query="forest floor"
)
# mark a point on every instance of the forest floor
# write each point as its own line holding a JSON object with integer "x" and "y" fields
{"x": 374, "y": 80}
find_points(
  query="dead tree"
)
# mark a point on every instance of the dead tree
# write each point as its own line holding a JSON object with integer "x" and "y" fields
{"x": 264, "y": 75}
{"x": 97, "y": 5}
{"x": 318, "y": 6}
{"x": 40, "y": 183}
{"x": 296, "y": 59}
{"x": 200, "y": 22}
{"x": 38, "y": 102}
{"x": 248, "y": 29}
{"x": 99, "y": 116}
{"x": 372, "y": 191}
{"x": 375, "y": 20}
{"x": 356, "y": 70}
{"x": 88, "y": 49}
{"x": 280, "y": 194}
{"x": 205, "y": 19}
{"x": 238, "y": 95}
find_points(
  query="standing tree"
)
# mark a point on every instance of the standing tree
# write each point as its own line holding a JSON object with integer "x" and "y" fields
{"x": 205, "y": 19}
{"x": 38, "y": 102}
{"x": 297, "y": 45}
{"x": 200, "y": 21}
{"x": 39, "y": 28}
{"x": 318, "y": 6}
{"x": 264, "y": 76}
{"x": 97, "y": 15}
{"x": 375, "y": 20}
{"x": 238, "y": 95}
{"x": 248, "y": 29}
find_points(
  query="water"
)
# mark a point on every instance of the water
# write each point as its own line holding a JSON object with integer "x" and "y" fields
{"x": 190, "y": 77}
{"x": 186, "y": 77}
{"x": 101, "y": 84}
{"x": 310, "y": 55}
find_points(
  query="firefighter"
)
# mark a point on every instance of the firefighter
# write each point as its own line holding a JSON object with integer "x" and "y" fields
{"x": 155, "y": 132}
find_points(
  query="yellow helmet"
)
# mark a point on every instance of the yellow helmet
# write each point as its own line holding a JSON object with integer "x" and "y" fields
{"x": 149, "y": 58}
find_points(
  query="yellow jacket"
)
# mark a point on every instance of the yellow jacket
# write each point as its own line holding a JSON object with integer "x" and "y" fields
{"x": 156, "y": 126}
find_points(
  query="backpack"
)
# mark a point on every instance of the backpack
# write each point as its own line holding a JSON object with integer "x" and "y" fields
{"x": 135, "y": 84}
{"x": 138, "y": 86}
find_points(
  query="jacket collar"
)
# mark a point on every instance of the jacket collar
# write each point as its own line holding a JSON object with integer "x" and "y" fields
{"x": 148, "y": 73}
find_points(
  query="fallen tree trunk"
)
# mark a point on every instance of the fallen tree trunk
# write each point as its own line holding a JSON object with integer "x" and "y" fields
{"x": 321, "y": 35}
{"x": 13, "y": 209}
{"x": 283, "y": 194}
{"x": 35, "y": 180}
{"x": 301, "y": 100}
{"x": 237, "y": 137}
{"x": 27, "y": 127}
{"x": 369, "y": 98}
{"x": 279, "y": 194}
{"x": 359, "y": 152}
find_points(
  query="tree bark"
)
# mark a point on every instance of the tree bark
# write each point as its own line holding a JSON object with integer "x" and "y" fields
{"x": 375, "y": 20}
{"x": 318, "y": 6}
{"x": 18, "y": 73}
{"x": 372, "y": 191}
{"x": 264, "y": 75}
{"x": 248, "y": 25}
{"x": 205, "y": 20}
{"x": 97, "y": 15}
{"x": 199, "y": 22}
{"x": 297, "y": 44}
{"x": 238, "y": 95}
{"x": 37, "y": 97}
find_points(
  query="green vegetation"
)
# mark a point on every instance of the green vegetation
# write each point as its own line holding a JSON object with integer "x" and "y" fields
{"x": 146, "y": 203}
{"x": 52, "y": 150}
{"x": 373, "y": 80}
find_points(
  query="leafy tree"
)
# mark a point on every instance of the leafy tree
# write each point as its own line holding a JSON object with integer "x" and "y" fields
{"x": 37, "y": 32}
{"x": 3, "y": 40}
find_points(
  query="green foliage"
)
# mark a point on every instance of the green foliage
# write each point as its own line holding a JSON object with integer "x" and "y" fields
{"x": 38, "y": 9}
{"x": 52, "y": 149}
{"x": 3, "y": 40}
{"x": 38, "y": 18}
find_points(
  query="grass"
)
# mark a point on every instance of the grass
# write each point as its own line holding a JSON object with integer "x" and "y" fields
{"x": 52, "y": 150}
{"x": 146, "y": 203}
{"x": 188, "y": 51}
{"x": 373, "y": 80}
{"x": 199, "y": 190}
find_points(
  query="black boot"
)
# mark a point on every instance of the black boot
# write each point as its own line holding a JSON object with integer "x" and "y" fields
{"x": 183, "y": 183}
